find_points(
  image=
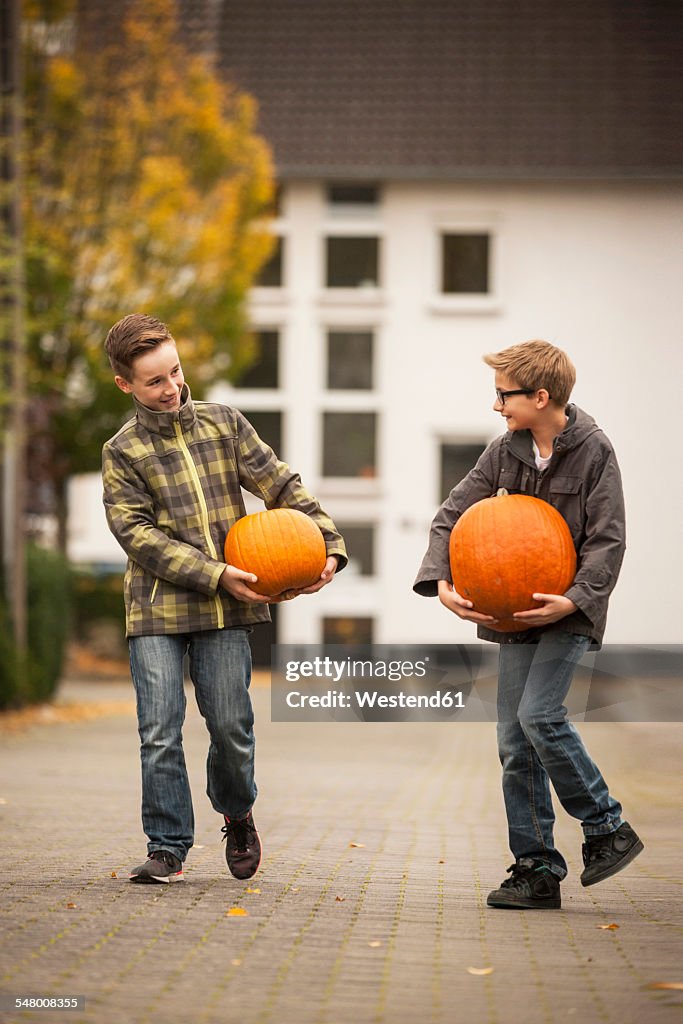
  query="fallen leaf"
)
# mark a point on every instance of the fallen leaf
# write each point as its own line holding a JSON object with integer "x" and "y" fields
{"x": 357, "y": 845}
{"x": 236, "y": 962}
{"x": 676, "y": 985}
{"x": 442, "y": 862}
{"x": 375, "y": 944}
{"x": 114, "y": 875}
{"x": 72, "y": 906}
{"x": 295, "y": 889}
{"x": 339, "y": 899}
{"x": 480, "y": 971}
{"x": 2, "y": 800}
{"x": 249, "y": 889}
{"x": 607, "y": 927}
{"x": 237, "y": 912}
{"x": 198, "y": 846}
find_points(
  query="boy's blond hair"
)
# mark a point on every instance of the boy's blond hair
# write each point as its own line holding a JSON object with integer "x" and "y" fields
{"x": 537, "y": 364}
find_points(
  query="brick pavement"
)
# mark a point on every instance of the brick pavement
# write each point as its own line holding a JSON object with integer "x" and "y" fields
{"x": 384, "y": 931}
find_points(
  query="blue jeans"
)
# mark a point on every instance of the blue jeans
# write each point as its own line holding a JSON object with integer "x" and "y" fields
{"x": 537, "y": 745}
{"x": 220, "y": 668}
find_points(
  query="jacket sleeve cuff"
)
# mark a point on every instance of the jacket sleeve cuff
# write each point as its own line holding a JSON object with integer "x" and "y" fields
{"x": 582, "y": 598}
{"x": 214, "y": 571}
{"x": 340, "y": 555}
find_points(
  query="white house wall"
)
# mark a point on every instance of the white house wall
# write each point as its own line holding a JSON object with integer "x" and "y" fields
{"x": 593, "y": 268}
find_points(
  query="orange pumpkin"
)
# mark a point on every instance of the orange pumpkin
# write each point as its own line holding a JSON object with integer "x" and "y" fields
{"x": 504, "y": 549}
{"x": 282, "y": 547}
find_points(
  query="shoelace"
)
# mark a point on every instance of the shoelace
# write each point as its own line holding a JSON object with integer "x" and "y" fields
{"x": 599, "y": 847}
{"x": 241, "y": 831}
{"x": 517, "y": 874}
{"x": 166, "y": 858}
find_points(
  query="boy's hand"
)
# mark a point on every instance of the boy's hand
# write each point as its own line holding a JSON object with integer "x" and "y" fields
{"x": 554, "y": 608}
{"x": 452, "y": 600}
{"x": 326, "y": 576}
{"x": 236, "y": 582}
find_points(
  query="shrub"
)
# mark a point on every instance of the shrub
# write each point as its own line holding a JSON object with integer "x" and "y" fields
{"x": 34, "y": 678}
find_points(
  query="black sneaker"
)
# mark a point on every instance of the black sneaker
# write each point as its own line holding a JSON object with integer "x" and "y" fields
{"x": 162, "y": 866}
{"x": 605, "y": 855}
{"x": 531, "y": 886}
{"x": 243, "y": 846}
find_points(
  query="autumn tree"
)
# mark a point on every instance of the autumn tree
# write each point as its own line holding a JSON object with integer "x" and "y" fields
{"x": 147, "y": 190}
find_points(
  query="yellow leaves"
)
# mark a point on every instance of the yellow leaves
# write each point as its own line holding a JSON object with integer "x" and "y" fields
{"x": 676, "y": 986}
{"x": 113, "y": 875}
{"x": 237, "y": 912}
{"x": 480, "y": 972}
{"x": 340, "y": 899}
{"x": 72, "y": 906}
{"x": 607, "y": 927}
{"x": 144, "y": 182}
{"x": 256, "y": 892}
{"x": 65, "y": 79}
{"x": 50, "y": 714}
{"x": 358, "y": 846}
{"x": 164, "y": 191}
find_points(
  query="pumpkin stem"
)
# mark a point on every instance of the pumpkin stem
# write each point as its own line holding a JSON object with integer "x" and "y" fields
{"x": 501, "y": 492}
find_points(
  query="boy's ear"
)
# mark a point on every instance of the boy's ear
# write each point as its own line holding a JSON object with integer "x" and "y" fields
{"x": 123, "y": 384}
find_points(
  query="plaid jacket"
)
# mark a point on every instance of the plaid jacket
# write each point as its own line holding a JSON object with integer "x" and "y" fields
{"x": 171, "y": 492}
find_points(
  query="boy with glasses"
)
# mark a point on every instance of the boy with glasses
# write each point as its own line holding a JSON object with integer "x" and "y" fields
{"x": 556, "y": 452}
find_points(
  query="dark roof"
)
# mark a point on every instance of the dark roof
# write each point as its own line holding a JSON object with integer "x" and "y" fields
{"x": 462, "y": 89}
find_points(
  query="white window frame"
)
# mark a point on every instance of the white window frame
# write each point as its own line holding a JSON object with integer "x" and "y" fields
{"x": 467, "y": 223}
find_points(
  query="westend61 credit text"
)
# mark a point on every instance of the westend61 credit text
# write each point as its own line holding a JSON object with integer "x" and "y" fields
{"x": 374, "y": 698}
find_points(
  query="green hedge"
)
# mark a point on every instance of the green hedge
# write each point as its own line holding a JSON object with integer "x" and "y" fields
{"x": 49, "y": 613}
{"x": 97, "y": 598}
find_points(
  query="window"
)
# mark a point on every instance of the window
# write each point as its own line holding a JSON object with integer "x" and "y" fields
{"x": 263, "y": 372}
{"x": 347, "y": 629}
{"x": 352, "y": 262}
{"x": 268, "y": 426}
{"x": 349, "y": 444}
{"x": 270, "y": 275}
{"x": 353, "y": 194}
{"x": 465, "y": 263}
{"x": 360, "y": 547}
{"x": 456, "y": 462}
{"x": 350, "y": 360}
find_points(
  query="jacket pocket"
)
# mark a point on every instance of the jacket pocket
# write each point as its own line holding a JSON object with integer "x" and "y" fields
{"x": 565, "y": 493}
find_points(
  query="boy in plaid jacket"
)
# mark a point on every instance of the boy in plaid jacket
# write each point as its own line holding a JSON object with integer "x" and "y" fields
{"x": 172, "y": 480}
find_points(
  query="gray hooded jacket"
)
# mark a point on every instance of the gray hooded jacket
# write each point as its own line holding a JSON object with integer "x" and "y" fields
{"x": 582, "y": 481}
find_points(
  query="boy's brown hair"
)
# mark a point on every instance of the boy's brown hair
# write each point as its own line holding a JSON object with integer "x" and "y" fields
{"x": 537, "y": 364}
{"x": 131, "y": 337}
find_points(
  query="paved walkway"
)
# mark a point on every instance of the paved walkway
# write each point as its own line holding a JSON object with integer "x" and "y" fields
{"x": 381, "y": 842}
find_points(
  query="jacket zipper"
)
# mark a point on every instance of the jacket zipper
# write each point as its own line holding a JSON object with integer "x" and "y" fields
{"x": 204, "y": 511}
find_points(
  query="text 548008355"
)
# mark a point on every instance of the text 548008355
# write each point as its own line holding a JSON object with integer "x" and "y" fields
{"x": 40, "y": 1002}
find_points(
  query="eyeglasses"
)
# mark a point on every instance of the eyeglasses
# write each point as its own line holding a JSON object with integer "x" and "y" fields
{"x": 502, "y": 395}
